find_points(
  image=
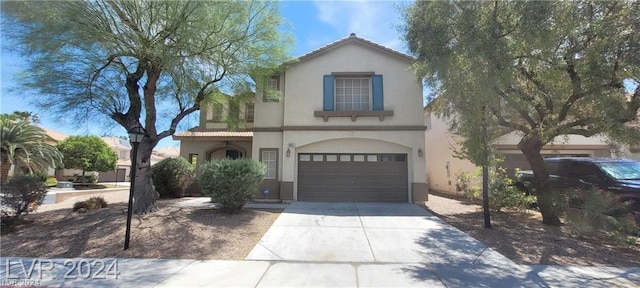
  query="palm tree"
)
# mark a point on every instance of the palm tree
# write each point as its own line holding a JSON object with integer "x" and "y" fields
{"x": 25, "y": 146}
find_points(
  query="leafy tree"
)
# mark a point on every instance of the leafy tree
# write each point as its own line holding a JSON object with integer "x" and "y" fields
{"x": 87, "y": 153}
{"x": 143, "y": 64}
{"x": 26, "y": 146}
{"x": 540, "y": 68}
{"x": 27, "y": 116}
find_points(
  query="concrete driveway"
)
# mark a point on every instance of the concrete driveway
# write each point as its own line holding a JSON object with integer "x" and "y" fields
{"x": 365, "y": 233}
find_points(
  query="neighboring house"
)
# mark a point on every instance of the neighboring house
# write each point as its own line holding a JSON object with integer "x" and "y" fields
{"x": 122, "y": 147}
{"x": 442, "y": 166}
{"x": 347, "y": 126}
{"x": 167, "y": 152}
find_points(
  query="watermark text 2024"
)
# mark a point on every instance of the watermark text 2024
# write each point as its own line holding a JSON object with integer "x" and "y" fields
{"x": 70, "y": 268}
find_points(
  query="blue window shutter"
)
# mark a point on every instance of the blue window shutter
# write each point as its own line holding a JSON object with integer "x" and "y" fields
{"x": 378, "y": 99}
{"x": 327, "y": 103}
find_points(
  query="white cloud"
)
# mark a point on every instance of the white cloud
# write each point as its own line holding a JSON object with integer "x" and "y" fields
{"x": 372, "y": 20}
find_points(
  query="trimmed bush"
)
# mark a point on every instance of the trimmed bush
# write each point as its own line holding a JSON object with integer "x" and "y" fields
{"x": 231, "y": 183}
{"x": 51, "y": 182}
{"x": 93, "y": 203}
{"x": 172, "y": 176}
{"x": 20, "y": 196}
{"x": 87, "y": 179}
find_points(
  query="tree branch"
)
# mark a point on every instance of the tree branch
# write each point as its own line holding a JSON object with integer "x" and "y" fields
{"x": 520, "y": 111}
{"x": 503, "y": 122}
{"x": 576, "y": 89}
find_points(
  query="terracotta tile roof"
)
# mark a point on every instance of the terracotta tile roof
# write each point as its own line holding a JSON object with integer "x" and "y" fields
{"x": 353, "y": 38}
{"x": 214, "y": 134}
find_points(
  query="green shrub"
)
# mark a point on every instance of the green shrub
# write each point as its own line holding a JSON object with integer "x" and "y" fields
{"x": 503, "y": 194}
{"x": 51, "y": 182}
{"x": 93, "y": 203}
{"x": 593, "y": 210}
{"x": 231, "y": 183}
{"x": 464, "y": 183}
{"x": 20, "y": 196}
{"x": 41, "y": 176}
{"x": 172, "y": 176}
{"x": 88, "y": 179}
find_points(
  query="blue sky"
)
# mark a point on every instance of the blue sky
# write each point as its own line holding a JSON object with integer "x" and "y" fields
{"x": 313, "y": 23}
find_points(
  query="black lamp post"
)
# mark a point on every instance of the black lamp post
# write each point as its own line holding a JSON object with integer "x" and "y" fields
{"x": 136, "y": 135}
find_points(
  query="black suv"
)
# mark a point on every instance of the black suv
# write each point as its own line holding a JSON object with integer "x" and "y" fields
{"x": 618, "y": 176}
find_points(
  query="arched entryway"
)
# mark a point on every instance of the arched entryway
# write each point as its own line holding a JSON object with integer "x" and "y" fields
{"x": 227, "y": 150}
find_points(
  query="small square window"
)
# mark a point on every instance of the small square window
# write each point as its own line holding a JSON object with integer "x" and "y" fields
{"x": 345, "y": 158}
{"x": 332, "y": 158}
{"x": 358, "y": 158}
{"x": 372, "y": 158}
{"x": 317, "y": 158}
{"x": 271, "y": 92}
{"x": 305, "y": 157}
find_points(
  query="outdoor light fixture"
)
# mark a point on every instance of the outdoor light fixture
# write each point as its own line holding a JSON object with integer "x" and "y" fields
{"x": 420, "y": 154}
{"x": 288, "y": 152}
{"x": 136, "y": 134}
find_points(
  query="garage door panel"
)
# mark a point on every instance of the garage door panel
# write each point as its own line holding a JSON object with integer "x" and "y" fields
{"x": 369, "y": 180}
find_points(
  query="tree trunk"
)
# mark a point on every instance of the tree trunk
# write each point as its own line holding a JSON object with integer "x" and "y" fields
{"x": 4, "y": 170}
{"x": 145, "y": 194}
{"x": 530, "y": 147}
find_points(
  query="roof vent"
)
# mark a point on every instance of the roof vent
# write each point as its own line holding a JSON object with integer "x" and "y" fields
{"x": 352, "y": 35}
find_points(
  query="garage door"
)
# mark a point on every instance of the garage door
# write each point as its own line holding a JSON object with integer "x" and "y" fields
{"x": 353, "y": 177}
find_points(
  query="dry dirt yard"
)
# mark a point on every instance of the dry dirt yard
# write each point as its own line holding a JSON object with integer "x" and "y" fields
{"x": 171, "y": 232}
{"x": 196, "y": 233}
{"x": 525, "y": 240}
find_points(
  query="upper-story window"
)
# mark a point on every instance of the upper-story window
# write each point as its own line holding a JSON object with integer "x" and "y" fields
{"x": 249, "y": 112}
{"x": 272, "y": 91}
{"x": 214, "y": 112}
{"x": 353, "y": 92}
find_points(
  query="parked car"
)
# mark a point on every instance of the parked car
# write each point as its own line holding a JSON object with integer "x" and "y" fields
{"x": 618, "y": 176}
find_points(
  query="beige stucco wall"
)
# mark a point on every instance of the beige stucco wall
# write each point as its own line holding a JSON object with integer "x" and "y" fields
{"x": 440, "y": 164}
{"x": 514, "y": 137}
{"x": 355, "y": 142}
{"x": 270, "y": 114}
{"x": 304, "y": 86}
{"x": 263, "y": 140}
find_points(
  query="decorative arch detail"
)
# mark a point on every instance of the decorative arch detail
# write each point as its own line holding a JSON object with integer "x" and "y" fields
{"x": 225, "y": 146}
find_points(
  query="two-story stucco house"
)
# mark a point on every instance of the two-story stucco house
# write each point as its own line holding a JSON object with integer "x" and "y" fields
{"x": 347, "y": 127}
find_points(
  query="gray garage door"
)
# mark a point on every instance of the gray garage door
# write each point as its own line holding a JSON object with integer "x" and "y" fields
{"x": 353, "y": 177}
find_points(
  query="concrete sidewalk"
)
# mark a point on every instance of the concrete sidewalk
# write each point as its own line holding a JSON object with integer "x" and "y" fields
{"x": 212, "y": 273}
